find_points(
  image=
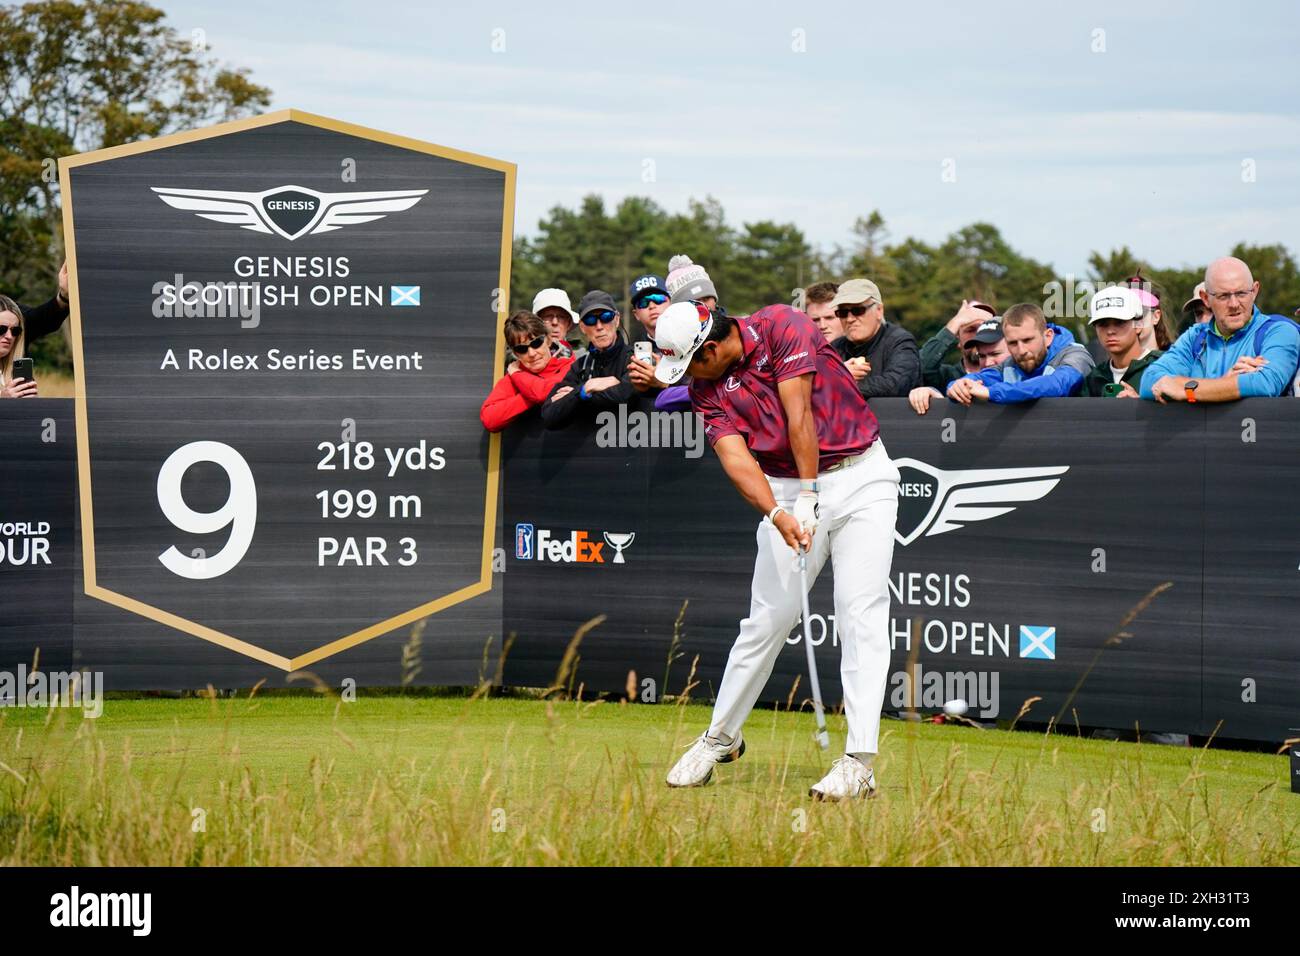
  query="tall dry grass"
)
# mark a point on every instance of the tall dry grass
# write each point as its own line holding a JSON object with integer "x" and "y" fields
{"x": 484, "y": 781}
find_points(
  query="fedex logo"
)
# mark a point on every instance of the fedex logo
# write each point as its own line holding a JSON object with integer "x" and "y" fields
{"x": 576, "y": 547}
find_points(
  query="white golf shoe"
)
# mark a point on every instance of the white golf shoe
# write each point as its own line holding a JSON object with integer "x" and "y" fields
{"x": 847, "y": 780}
{"x": 696, "y": 765}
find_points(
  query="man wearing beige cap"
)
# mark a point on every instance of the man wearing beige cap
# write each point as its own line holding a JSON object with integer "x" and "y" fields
{"x": 1195, "y": 311}
{"x": 883, "y": 358}
{"x": 552, "y": 307}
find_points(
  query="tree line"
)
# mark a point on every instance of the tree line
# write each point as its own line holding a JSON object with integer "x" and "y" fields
{"x": 758, "y": 263}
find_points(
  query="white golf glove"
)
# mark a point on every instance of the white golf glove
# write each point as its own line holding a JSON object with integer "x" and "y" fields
{"x": 805, "y": 511}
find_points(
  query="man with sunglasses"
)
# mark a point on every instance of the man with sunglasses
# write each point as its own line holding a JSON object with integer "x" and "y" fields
{"x": 1240, "y": 353}
{"x": 795, "y": 436}
{"x": 883, "y": 358}
{"x": 649, "y": 299}
{"x": 598, "y": 379}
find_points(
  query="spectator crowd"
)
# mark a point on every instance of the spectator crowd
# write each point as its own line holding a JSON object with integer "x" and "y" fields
{"x": 1225, "y": 347}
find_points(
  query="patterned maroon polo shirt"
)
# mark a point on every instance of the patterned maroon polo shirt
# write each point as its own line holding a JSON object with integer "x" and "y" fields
{"x": 781, "y": 343}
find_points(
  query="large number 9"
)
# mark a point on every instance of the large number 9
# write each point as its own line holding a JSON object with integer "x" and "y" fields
{"x": 239, "y": 511}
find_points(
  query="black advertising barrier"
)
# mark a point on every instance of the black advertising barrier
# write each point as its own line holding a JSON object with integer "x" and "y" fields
{"x": 1251, "y": 545}
{"x": 282, "y": 330}
{"x": 1025, "y": 537}
{"x": 1029, "y": 534}
{"x": 38, "y": 489}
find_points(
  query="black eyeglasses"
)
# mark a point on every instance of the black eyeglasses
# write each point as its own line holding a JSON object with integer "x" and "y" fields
{"x": 857, "y": 311}
{"x": 16, "y": 330}
{"x": 591, "y": 318}
{"x": 650, "y": 298}
{"x": 523, "y": 348}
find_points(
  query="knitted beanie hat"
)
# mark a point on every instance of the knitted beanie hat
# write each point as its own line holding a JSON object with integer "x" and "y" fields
{"x": 686, "y": 280}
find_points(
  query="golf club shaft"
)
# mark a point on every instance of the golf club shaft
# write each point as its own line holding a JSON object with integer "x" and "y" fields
{"x": 822, "y": 737}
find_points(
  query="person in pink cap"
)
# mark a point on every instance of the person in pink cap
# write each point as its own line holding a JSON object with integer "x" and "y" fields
{"x": 1154, "y": 333}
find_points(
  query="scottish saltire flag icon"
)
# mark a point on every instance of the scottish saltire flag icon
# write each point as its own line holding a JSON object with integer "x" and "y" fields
{"x": 403, "y": 295}
{"x": 1038, "y": 642}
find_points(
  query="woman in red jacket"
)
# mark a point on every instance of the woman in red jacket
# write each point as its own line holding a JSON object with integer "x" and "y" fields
{"x": 530, "y": 377}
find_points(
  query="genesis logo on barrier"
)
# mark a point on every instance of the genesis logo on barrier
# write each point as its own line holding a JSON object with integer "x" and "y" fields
{"x": 289, "y": 211}
{"x": 932, "y": 501}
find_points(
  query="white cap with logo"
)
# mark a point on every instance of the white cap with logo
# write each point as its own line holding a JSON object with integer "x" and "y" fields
{"x": 1115, "y": 302}
{"x": 681, "y": 330}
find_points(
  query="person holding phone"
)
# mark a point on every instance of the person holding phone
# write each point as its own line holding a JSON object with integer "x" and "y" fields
{"x": 532, "y": 373}
{"x": 597, "y": 380}
{"x": 1116, "y": 314}
{"x": 16, "y": 379}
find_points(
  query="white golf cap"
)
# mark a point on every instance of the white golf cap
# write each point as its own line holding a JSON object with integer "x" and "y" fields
{"x": 681, "y": 330}
{"x": 1115, "y": 302}
{"x": 553, "y": 297}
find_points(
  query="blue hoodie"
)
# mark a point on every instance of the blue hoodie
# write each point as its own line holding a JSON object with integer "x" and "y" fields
{"x": 1274, "y": 336}
{"x": 1061, "y": 373}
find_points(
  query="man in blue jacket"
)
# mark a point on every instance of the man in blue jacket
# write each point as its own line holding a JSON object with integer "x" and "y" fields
{"x": 1045, "y": 362}
{"x": 1239, "y": 353}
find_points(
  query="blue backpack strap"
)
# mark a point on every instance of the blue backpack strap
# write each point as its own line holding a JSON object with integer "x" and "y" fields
{"x": 1198, "y": 343}
{"x": 1203, "y": 334}
{"x": 1263, "y": 330}
{"x": 1269, "y": 320}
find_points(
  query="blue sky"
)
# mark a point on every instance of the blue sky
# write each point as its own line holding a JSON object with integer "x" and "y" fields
{"x": 1065, "y": 149}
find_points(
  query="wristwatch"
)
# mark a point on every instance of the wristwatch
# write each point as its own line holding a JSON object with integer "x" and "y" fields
{"x": 1190, "y": 385}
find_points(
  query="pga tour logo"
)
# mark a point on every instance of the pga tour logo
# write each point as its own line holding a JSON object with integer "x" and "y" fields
{"x": 577, "y": 547}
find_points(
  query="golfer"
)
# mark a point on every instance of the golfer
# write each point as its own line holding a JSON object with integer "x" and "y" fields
{"x": 796, "y": 438}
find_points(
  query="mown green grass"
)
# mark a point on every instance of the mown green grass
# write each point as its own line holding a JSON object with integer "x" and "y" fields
{"x": 489, "y": 781}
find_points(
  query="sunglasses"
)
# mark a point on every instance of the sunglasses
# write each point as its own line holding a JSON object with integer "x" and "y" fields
{"x": 15, "y": 330}
{"x": 591, "y": 318}
{"x": 650, "y": 298}
{"x": 857, "y": 311}
{"x": 524, "y": 348}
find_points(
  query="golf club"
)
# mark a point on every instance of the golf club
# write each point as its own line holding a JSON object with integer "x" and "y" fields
{"x": 823, "y": 738}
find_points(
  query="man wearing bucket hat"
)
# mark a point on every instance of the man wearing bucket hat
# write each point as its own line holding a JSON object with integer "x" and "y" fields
{"x": 552, "y": 307}
{"x": 795, "y": 436}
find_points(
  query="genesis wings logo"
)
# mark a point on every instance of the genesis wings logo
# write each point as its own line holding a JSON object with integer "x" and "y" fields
{"x": 289, "y": 211}
{"x": 932, "y": 501}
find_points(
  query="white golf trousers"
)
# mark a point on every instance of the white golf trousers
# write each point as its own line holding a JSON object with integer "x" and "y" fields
{"x": 858, "y": 506}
